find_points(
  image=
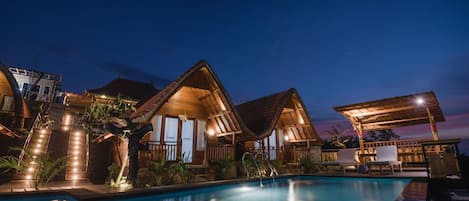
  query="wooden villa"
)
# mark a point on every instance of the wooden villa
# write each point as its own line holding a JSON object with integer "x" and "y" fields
{"x": 13, "y": 109}
{"x": 282, "y": 126}
{"x": 193, "y": 119}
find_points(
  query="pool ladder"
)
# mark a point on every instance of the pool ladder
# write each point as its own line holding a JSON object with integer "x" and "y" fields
{"x": 273, "y": 171}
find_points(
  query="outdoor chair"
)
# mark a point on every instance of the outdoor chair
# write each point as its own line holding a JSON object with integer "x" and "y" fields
{"x": 386, "y": 155}
{"x": 345, "y": 157}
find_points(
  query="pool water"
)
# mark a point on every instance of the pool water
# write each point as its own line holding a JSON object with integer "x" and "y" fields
{"x": 305, "y": 188}
{"x": 49, "y": 197}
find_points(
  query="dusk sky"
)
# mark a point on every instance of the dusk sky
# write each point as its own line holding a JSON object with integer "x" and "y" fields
{"x": 333, "y": 52}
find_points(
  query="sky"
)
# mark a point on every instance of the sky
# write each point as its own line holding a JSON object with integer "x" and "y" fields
{"x": 333, "y": 52}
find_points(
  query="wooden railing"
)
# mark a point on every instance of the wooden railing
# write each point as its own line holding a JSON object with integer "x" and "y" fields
{"x": 219, "y": 152}
{"x": 157, "y": 152}
{"x": 409, "y": 151}
{"x": 168, "y": 152}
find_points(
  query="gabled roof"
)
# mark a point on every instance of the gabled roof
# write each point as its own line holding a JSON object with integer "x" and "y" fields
{"x": 132, "y": 89}
{"x": 262, "y": 115}
{"x": 393, "y": 112}
{"x": 145, "y": 112}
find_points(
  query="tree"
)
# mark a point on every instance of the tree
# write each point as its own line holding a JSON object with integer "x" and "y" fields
{"x": 382, "y": 135}
{"x": 112, "y": 118}
{"x": 337, "y": 140}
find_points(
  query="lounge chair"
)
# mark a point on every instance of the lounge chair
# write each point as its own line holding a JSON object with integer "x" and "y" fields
{"x": 345, "y": 157}
{"x": 386, "y": 155}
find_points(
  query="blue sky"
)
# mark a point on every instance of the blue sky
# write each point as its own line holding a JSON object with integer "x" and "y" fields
{"x": 334, "y": 52}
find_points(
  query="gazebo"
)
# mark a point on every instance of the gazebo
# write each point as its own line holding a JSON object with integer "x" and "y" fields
{"x": 409, "y": 110}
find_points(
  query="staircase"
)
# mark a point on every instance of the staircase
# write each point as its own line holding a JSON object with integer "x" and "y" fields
{"x": 38, "y": 144}
{"x": 77, "y": 156}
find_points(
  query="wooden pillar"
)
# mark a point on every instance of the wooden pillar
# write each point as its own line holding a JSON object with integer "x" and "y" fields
{"x": 357, "y": 125}
{"x": 431, "y": 120}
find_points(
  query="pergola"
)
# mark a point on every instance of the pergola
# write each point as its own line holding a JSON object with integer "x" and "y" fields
{"x": 394, "y": 112}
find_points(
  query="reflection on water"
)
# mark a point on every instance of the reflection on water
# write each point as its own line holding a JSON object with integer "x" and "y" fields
{"x": 295, "y": 189}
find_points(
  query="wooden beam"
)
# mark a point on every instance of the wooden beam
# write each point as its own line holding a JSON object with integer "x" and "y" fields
{"x": 379, "y": 111}
{"x": 393, "y": 121}
{"x": 227, "y": 133}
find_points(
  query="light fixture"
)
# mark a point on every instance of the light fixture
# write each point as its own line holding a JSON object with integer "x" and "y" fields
{"x": 210, "y": 132}
{"x": 183, "y": 117}
{"x": 420, "y": 101}
{"x": 286, "y": 137}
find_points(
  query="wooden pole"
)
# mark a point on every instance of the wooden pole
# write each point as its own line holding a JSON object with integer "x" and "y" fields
{"x": 431, "y": 120}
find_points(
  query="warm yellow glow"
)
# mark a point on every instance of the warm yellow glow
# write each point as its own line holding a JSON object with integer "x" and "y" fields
{"x": 286, "y": 137}
{"x": 75, "y": 169}
{"x": 300, "y": 118}
{"x": 75, "y": 158}
{"x": 40, "y": 140}
{"x": 75, "y": 177}
{"x": 210, "y": 132}
{"x": 78, "y": 133}
{"x": 76, "y": 152}
{"x": 103, "y": 96}
{"x": 30, "y": 169}
{"x": 36, "y": 151}
{"x": 28, "y": 177}
{"x": 77, "y": 142}
{"x": 41, "y": 135}
{"x": 38, "y": 145}
{"x": 43, "y": 131}
{"x": 75, "y": 163}
{"x": 65, "y": 128}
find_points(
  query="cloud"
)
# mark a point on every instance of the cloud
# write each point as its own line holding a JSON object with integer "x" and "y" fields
{"x": 134, "y": 73}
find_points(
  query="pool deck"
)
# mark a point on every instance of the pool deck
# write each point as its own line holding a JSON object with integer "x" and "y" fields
{"x": 415, "y": 191}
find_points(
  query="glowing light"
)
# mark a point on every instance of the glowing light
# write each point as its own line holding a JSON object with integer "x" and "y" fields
{"x": 36, "y": 151}
{"x": 28, "y": 177}
{"x": 77, "y": 142}
{"x": 65, "y": 128}
{"x": 41, "y": 135}
{"x": 420, "y": 101}
{"x": 78, "y": 133}
{"x": 40, "y": 140}
{"x": 286, "y": 138}
{"x": 43, "y": 131}
{"x": 75, "y": 163}
{"x": 75, "y": 170}
{"x": 76, "y": 152}
{"x": 38, "y": 145}
{"x": 75, "y": 158}
{"x": 30, "y": 169}
{"x": 75, "y": 177}
{"x": 245, "y": 188}
{"x": 211, "y": 132}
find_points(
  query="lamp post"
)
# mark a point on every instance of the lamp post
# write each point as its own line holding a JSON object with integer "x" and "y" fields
{"x": 431, "y": 119}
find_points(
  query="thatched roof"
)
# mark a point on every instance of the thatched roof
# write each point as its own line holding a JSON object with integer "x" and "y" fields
{"x": 281, "y": 110}
{"x": 199, "y": 76}
{"x": 131, "y": 89}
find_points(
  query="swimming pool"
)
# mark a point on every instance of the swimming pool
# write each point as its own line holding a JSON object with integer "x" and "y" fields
{"x": 300, "y": 188}
{"x": 38, "y": 197}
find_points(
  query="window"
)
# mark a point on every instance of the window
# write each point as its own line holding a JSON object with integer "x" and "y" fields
{"x": 35, "y": 88}
{"x": 46, "y": 90}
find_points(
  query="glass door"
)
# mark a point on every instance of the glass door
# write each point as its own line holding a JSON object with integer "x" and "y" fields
{"x": 187, "y": 140}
